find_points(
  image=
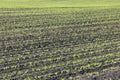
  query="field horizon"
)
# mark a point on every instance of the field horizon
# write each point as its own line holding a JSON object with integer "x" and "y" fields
{"x": 57, "y": 3}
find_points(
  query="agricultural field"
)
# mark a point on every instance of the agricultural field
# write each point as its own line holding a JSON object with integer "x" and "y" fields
{"x": 70, "y": 42}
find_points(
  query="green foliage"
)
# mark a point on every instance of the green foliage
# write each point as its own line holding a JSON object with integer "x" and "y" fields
{"x": 28, "y": 78}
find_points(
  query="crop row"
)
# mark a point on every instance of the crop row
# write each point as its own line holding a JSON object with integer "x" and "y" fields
{"x": 52, "y": 44}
